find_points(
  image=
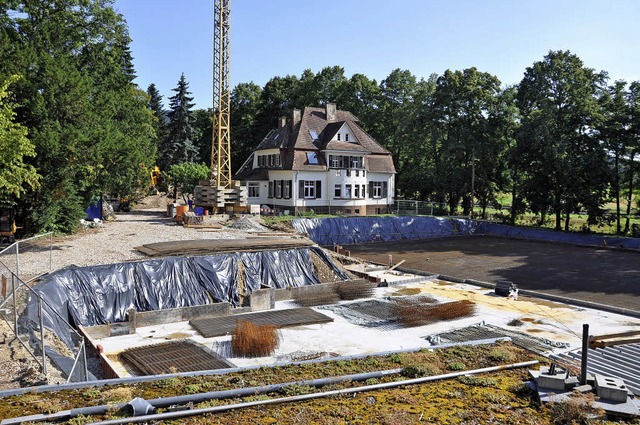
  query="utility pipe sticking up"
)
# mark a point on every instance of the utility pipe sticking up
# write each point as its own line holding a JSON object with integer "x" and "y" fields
{"x": 585, "y": 349}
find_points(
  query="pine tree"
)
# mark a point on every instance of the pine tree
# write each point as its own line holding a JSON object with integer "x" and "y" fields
{"x": 157, "y": 109}
{"x": 180, "y": 145}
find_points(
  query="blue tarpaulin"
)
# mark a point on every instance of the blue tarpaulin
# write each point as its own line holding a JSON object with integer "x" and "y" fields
{"x": 356, "y": 230}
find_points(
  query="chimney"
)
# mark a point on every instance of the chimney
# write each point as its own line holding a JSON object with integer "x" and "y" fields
{"x": 282, "y": 121}
{"x": 331, "y": 111}
{"x": 296, "y": 117}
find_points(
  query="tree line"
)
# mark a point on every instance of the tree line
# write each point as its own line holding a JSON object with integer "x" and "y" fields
{"x": 565, "y": 139}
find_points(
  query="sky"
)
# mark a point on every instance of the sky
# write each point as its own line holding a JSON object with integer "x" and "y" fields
{"x": 373, "y": 37}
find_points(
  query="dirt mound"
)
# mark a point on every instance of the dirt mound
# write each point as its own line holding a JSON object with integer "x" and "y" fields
{"x": 158, "y": 201}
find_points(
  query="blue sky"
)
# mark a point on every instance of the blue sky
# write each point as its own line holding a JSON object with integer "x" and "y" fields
{"x": 373, "y": 37}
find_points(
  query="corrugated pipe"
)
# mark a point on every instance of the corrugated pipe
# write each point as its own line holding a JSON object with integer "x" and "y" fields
{"x": 151, "y": 378}
{"x": 216, "y": 409}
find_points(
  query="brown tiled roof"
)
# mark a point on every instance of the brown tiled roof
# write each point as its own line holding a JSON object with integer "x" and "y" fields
{"x": 296, "y": 140}
{"x": 379, "y": 164}
{"x": 256, "y": 174}
{"x": 300, "y": 162}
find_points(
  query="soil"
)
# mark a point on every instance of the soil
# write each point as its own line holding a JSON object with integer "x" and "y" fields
{"x": 603, "y": 276}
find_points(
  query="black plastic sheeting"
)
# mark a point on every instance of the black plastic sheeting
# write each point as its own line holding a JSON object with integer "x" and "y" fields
{"x": 355, "y": 230}
{"x": 96, "y": 295}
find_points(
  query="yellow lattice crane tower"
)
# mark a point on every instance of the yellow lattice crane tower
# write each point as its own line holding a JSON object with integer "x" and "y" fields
{"x": 221, "y": 192}
{"x": 221, "y": 141}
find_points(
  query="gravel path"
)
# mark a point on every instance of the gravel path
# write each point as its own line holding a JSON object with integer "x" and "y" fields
{"x": 114, "y": 241}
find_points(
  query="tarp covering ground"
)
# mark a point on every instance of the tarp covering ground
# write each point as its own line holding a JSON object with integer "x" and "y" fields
{"x": 96, "y": 295}
{"x": 356, "y": 230}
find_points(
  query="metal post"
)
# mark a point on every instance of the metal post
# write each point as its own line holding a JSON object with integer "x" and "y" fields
{"x": 44, "y": 355}
{"x": 84, "y": 359}
{"x": 50, "y": 252}
{"x": 432, "y": 208}
{"x": 15, "y": 305}
{"x": 416, "y": 207}
{"x": 585, "y": 348}
{"x": 17, "y": 259}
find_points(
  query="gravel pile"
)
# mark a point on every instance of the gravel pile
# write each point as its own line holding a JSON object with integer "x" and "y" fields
{"x": 247, "y": 224}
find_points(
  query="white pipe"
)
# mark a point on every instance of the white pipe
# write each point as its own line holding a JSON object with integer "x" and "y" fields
{"x": 216, "y": 409}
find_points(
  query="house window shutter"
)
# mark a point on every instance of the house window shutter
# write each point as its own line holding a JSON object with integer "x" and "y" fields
{"x": 370, "y": 189}
{"x": 318, "y": 189}
{"x": 287, "y": 191}
{"x": 301, "y": 189}
{"x": 384, "y": 189}
{"x": 270, "y": 190}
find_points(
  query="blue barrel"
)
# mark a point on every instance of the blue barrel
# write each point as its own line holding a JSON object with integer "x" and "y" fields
{"x": 199, "y": 210}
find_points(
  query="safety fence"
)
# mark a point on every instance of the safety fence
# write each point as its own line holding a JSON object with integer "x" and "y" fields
{"x": 411, "y": 207}
{"x": 30, "y": 331}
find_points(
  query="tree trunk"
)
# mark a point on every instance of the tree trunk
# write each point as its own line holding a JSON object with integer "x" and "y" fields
{"x": 617, "y": 193}
{"x": 558, "y": 219}
{"x": 566, "y": 221}
{"x": 630, "y": 196}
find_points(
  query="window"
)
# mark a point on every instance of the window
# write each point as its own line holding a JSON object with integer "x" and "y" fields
{"x": 356, "y": 191}
{"x": 364, "y": 173}
{"x": 337, "y": 192}
{"x": 347, "y": 191}
{"x": 309, "y": 189}
{"x": 362, "y": 193}
{"x": 334, "y": 161}
{"x": 313, "y": 134}
{"x": 270, "y": 161}
{"x": 278, "y": 188}
{"x": 378, "y": 189}
{"x": 312, "y": 158}
{"x": 338, "y": 137}
{"x": 254, "y": 189}
{"x": 270, "y": 190}
{"x": 346, "y": 137}
{"x": 338, "y": 173}
{"x": 287, "y": 189}
{"x": 357, "y": 173}
{"x": 355, "y": 161}
{"x": 348, "y": 173}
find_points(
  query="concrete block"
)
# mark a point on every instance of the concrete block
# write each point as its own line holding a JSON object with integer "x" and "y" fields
{"x": 262, "y": 299}
{"x": 584, "y": 389}
{"x": 207, "y": 310}
{"x": 571, "y": 382}
{"x": 611, "y": 388}
{"x": 122, "y": 328}
{"x": 552, "y": 382}
{"x": 158, "y": 317}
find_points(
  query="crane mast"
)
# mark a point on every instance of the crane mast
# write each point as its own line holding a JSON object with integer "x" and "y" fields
{"x": 221, "y": 139}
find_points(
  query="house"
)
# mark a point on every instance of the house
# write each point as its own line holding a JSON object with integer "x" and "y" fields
{"x": 323, "y": 161}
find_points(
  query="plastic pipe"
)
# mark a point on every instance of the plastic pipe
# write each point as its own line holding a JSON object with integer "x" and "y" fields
{"x": 150, "y": 378}
{"x": 215, "y": 409}
{"x": 139, "y": 406}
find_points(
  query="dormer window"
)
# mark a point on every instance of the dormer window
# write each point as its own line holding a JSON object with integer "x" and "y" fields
{"x": 346, "y": 137}
{"x": 338, "y": 137}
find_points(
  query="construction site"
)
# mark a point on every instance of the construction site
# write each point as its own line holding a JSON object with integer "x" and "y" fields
{"x": 176, "y": 313}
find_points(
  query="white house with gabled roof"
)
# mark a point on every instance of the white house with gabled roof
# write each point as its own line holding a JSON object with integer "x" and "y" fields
{"x": 321, "y": 160}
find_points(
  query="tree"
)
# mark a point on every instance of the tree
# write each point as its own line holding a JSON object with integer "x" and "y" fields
{"x": 246, "y": 104}
{"x": 15, "y": 174}
{"x": 185, "y": 176}
{"x": 88, "y": 122}
{"x": 466, "y": 119}
{"x": 565, "y": 165}
{"x": 157, "y": 108}
{"x": 180, "y": 145}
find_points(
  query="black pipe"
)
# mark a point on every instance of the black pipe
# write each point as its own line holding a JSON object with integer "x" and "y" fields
{"x": 585, "y": 349}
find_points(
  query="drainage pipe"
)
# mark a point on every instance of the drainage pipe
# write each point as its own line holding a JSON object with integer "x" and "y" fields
{"x": 585, "y": 355}
{"x": 244, "y": 392}
{"x": 216, "y": 409}
{"x": 151, "y": 378}
{"x": 135, "y": 404}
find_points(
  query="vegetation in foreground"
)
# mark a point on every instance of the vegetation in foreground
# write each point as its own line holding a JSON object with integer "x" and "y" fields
{"x": 498, "y": 397}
